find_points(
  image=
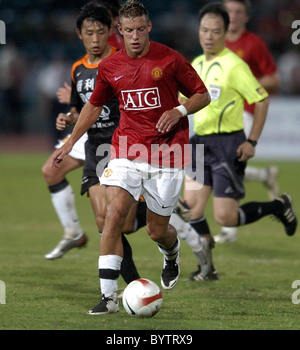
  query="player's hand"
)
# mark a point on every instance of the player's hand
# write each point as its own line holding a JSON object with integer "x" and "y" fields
{"x": 59, "y": 155}
{"x": 167, "y": 120}
{"x": 245, "y": 152}
{"x": 63, "y": 94}
{"x": 63, "y": 121}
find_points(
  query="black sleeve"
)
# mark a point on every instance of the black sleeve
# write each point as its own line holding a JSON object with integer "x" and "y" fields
{"x": 76, "y": 100}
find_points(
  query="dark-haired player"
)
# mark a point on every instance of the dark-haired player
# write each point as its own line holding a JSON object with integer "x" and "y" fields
{"x": 93, "y": 25}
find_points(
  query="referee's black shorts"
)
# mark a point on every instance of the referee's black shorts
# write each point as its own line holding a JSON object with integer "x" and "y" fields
{"x": 222, "y": 169}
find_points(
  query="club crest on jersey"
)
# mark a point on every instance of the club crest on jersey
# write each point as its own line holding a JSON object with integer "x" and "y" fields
{"x": 141, "y": 99}
{"x": 108, "y": 172}
{"x": 215, "y": 92}
{"x": 156, "y": 73}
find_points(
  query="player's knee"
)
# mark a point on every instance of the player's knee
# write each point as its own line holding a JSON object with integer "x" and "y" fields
{"x": 46, "y": 172}
{"x": 153, "y": 232}
{"x": 226, "y": 218}
{"x": 156, "y": 232}
{"x": 117, "y": 215}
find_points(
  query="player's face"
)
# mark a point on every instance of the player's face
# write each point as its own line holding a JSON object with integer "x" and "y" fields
{"x": 136, "y": 35}
{"x": 237, "y": 14}
{"x": 212, "y": 35}
{"x": 94, "y": 36}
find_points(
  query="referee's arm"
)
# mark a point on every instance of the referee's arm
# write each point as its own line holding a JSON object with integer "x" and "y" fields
{"x": 246, "y": 150}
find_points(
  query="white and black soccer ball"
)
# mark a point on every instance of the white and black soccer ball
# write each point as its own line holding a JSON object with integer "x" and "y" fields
{"x": 142, "y": 298}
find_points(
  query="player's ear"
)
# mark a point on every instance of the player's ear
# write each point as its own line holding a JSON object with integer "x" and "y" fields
{"x": 120, "y": 29}
{"x": 79, "y": 34}
{"x": 115, "y": 22}
{"x": 149, "y": 26}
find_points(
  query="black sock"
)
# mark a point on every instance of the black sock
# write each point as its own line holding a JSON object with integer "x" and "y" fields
{"x": 201, "y": 226}
{"x": 141, "y": 216}
{"x": 59, "y": 187}
{"x": 128, "y": 268}
{"x": 253, "y": 211}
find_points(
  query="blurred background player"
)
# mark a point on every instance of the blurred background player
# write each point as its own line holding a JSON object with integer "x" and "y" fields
{"x": 61, "y": 191}
{"x": 115, "y": 40}
{"x": 219, "y": 127}
{"x": 256, "y": 54}
{"x": 93, "y": 25}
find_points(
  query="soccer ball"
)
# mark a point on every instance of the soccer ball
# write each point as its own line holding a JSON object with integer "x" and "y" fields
{"x": 142, "y": 298}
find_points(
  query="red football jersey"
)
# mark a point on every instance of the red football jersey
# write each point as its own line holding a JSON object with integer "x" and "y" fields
{"x": 116, "y": 40}
{"x": 146, "y": 87}
{"x": 253, "y": 50}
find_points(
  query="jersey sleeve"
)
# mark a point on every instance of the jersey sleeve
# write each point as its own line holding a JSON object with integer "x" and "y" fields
{"x": 263, "y": 59}
{"x": 189, "y": 81}
{"x": 76, "y": 101}
{"x": 246, "y": 84}
{"x": 103, "y": 91}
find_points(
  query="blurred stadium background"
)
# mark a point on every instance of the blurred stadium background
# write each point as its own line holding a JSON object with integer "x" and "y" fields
{"x": 41, "y": 45}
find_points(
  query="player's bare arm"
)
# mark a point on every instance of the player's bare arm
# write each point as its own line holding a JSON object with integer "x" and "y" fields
{"x": 246, "y": 150}
{"x": 192, "y": 105}
{"x": 270, "y": 82}
{"x": 64, "y": 120}
{"x": 88, "y": 116}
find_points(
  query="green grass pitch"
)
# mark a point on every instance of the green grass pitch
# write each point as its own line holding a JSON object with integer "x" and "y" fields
{"x": 256, "y": 272}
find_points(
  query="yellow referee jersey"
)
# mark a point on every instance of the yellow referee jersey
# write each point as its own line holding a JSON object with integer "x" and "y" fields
{"x": 229, "y": 81}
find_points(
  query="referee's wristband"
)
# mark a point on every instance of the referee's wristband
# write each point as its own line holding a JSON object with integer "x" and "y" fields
{"x": 252, "y": 142}
{"x": 182, "y": 110}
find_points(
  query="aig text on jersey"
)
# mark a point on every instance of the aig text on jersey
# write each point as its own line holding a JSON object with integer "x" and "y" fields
{"x": 2, "y": 32}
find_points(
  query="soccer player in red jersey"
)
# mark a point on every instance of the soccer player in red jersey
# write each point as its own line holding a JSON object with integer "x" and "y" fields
{"x": 254, "y": 51}
{"x": 146, "y": 77}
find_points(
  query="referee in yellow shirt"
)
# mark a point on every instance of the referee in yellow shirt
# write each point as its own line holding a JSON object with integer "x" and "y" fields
{"x": 219, "y": 127}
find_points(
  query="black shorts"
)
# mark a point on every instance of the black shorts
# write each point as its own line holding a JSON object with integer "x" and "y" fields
{"x": 222, "y": 169}
{"x": 91, "y": 173}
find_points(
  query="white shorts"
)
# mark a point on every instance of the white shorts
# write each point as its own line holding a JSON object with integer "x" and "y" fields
{"x": 160, "y": 187}
{"x": 78, "y": 151}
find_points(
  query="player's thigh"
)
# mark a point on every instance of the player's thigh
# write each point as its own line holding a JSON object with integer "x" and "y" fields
{"x": 54, "y": 175}
{"x": 119, "y": 203}
{"x": 226, "y": 211}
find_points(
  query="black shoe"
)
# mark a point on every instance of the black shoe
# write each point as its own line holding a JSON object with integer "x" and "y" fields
{"x": 106, "y": 306}
{"x": 170, "y": 273}
{"x": 287, "y": 215}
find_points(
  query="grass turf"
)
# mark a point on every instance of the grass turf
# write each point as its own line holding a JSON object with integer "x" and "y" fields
{"x": 256, "y": 272}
